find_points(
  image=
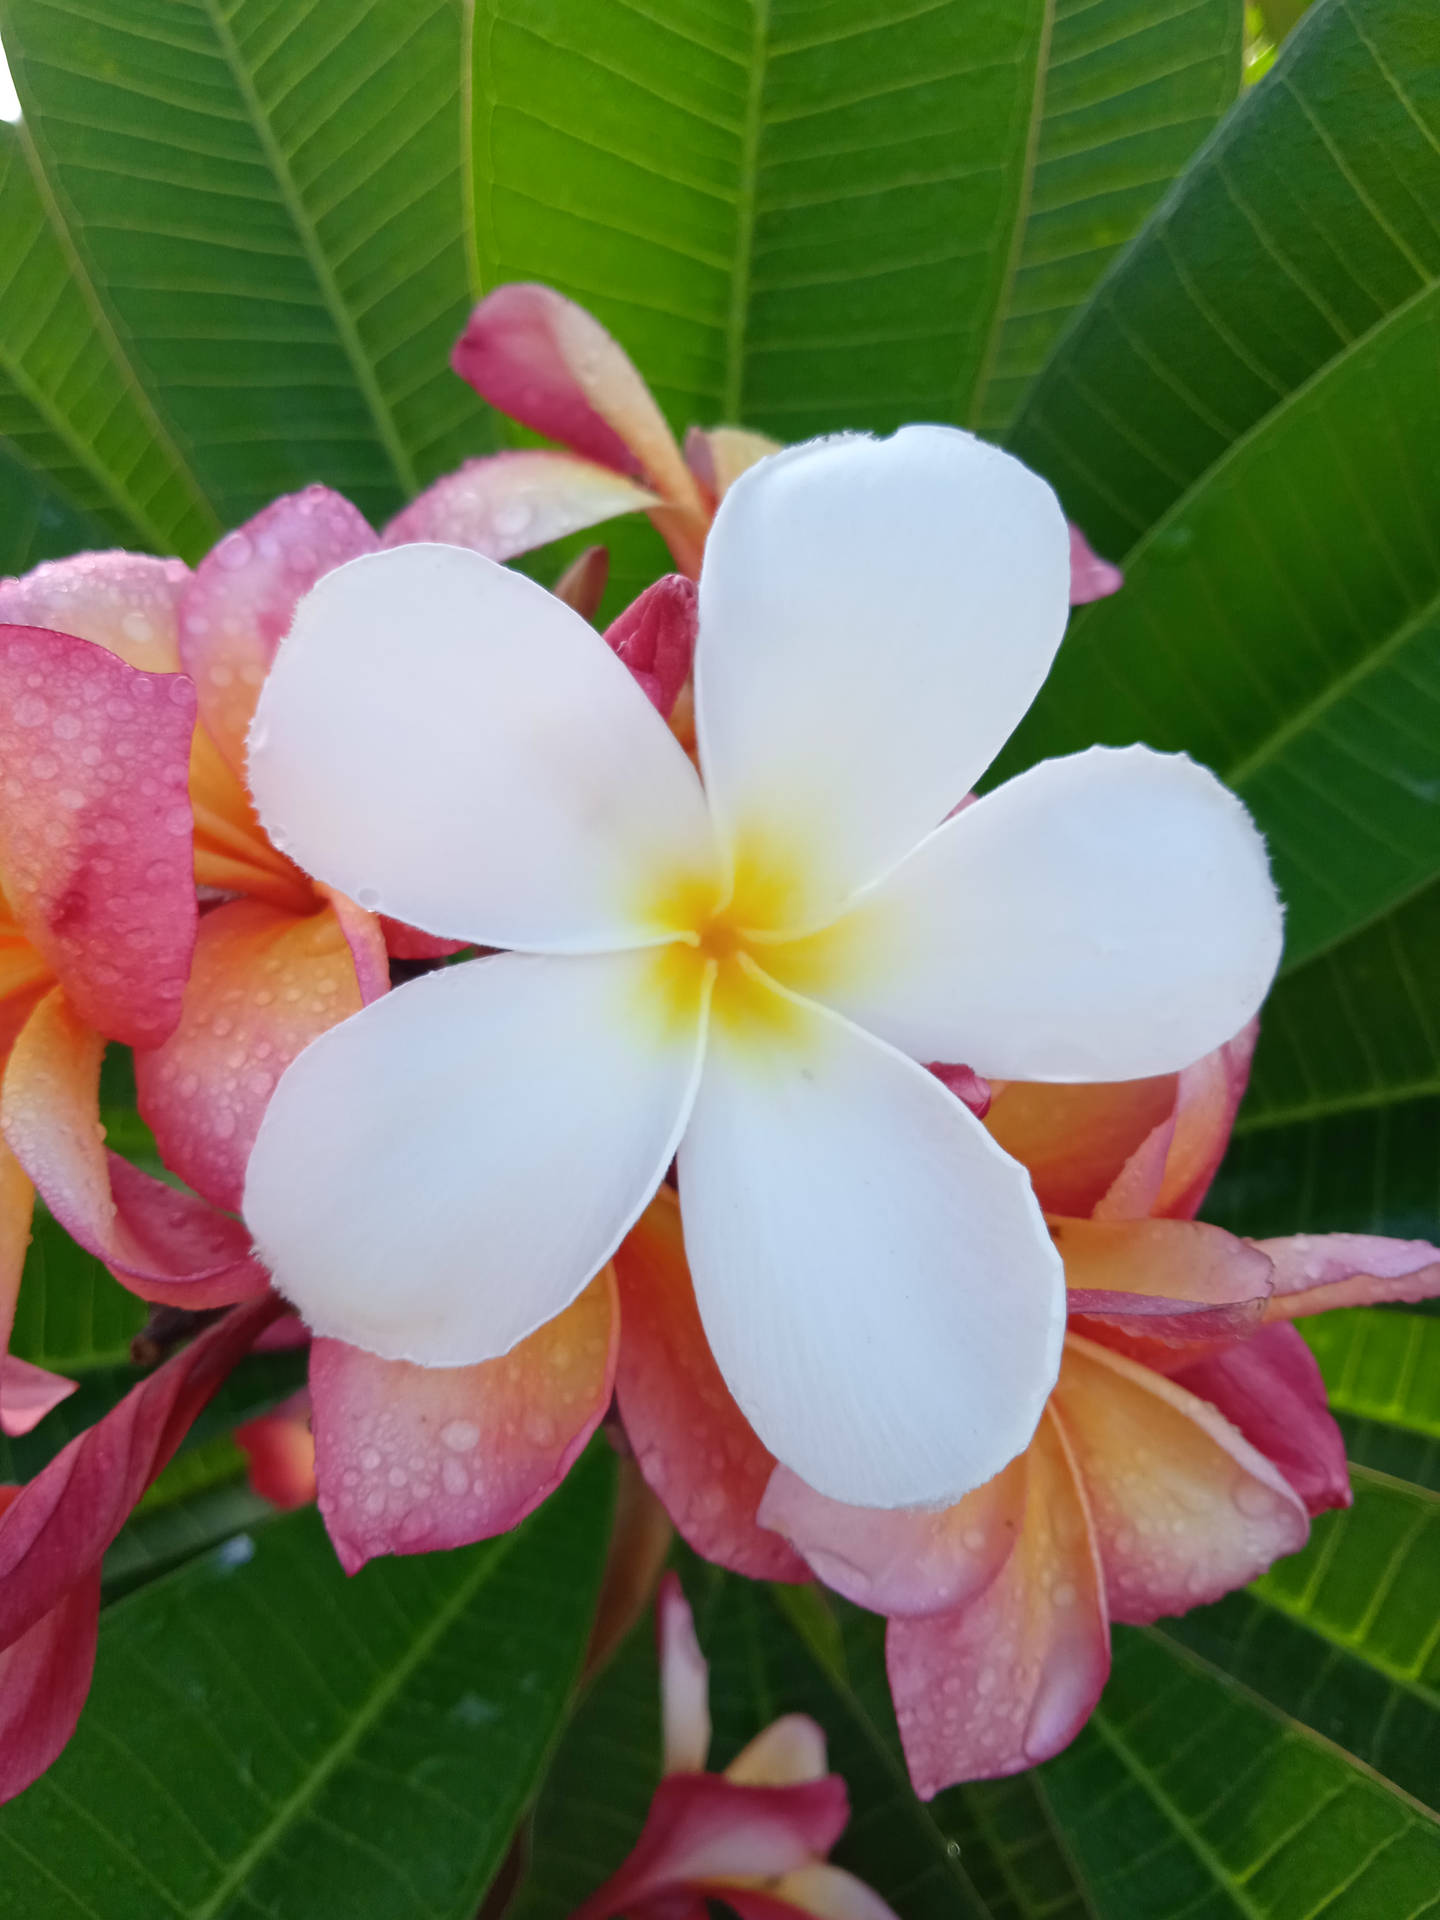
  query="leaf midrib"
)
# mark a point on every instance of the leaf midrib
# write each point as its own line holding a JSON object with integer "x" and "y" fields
{"x": 83, "y": 451}
{"x": 340, "y": 315}
{"x": 299, "y": 1802}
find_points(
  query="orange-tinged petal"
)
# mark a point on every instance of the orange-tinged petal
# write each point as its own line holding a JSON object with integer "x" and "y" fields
{"x": 1184, "y": 1507}
{"x": 232, "y": 851}
{"x": 902, "y": 1561}
{"x": 691, "y": 1441}
{"x": 997, "y": 1685}
{"x": 162, "y": 1243}
{"x": 263, "y": 985}
{"x": 1075, "y": 1140}
{"x": 95, "y": 826}
{"x": 411, "y": 1459}
{"x": 548, "y": 363}
{"x": 1207, "y": 1100}
{"x": 1172, "y": 1282}
{"x": 281, "y": 1450}
{"x": 124, "y": 602}
{"x": 787, "y": 1753}
{"x": 507, "y": 503}
{"x": 239, "y": 605}
{"x": 717, "y": 456}
{"x": 18, "y": 1390}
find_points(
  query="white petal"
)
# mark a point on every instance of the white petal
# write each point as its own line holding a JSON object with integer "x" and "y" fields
{"x": 875, "y": 617}
{"x": 1102, "y": 917}
{"x": 442, "y": 1174}
{"x": 446, "y": 742}
{"x": 873, "y": 1272}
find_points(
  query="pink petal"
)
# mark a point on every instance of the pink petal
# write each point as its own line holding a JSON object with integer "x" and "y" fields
{"x": 1076, "y": 1140}
{"x": 95, "y": 826}
{"x": 904, "y": 1562}
{"x": 28, "y": 1393}
{"x": 582, "y": 584}
{"x": 44, "y": 1678}
{"x": 125, "y": 602}
{"x": 1174, "y": 1282}
{"x": 1315, "y": 1272}
{"x": 703, "y": 1829}
{"x": 163, "y": 1244}
{"x": 507, "y": 503}
{"x": 1006, "y": 1681}
{"x": 966, "y": 1085}
{"x": 411, "y": 1459}
{"x": 691, "y": 1441}
{"x": 684, "y": 1681}
{"x": 1091, "y": 578}
{"x": 281, "y": 1450}
{"x": 1184, "y": 1507}
{"x": 719, "y": 456}
{"x": 655, "y": 637}
{"x": 57, "y": 1528}
{"x": 365, "y": 936}
{"x": 239, "y": 606}
{"x": 409, "y": 943}
{"x": 1271, "y": 1388}
{"x": 264, "y": 984}
{"x": 1207, "y": 1100}
{"x": 543, "y": 360}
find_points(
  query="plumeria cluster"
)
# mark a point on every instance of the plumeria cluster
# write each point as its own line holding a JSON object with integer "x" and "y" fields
{"x": 843, "y": 1132}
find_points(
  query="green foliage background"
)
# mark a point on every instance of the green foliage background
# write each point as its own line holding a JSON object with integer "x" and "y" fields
{"x": 237, "y": 238}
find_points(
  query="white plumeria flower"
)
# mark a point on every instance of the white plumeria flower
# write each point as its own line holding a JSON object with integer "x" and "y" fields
{"x": 747, "y": 972}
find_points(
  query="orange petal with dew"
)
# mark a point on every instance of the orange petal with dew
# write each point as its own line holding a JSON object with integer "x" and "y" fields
{"x": 238, "y": 607}
{"x": 95, "y": 826}
{"x": 164, "y": 1244}
{"x": 691, "y": 1441}
{"x": 1184, "y": 1507}
{"x": 995, "y": 1686}
{"x": 411, "y": 1459}
{"x": 264, "y": 984}
{"x": 717, "y": 456}
{"x": 1206, "y": 1102}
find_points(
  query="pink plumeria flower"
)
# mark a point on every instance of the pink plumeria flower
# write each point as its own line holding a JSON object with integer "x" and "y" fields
{"x": 756, "y": 1836}
{"x": 746, "y": 972}
{"x": 545, "y": 361}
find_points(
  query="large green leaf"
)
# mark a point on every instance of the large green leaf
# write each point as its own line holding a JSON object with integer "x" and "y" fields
{"x": 265, "y": 1736}
{"x": 267, "y": 205}
{"x": 71, "y": 407}
{"x": 1190, "y": 1793}
{"x": 843, "y": 217}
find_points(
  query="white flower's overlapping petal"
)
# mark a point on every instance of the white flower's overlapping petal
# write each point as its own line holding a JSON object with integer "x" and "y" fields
{"x": 447, "y": 743}
{"x": 874, "y": 1274}
{"x": 1102, "y": 917}
{"x": 442, "y": 1174}
{"x": 875, "y": 617}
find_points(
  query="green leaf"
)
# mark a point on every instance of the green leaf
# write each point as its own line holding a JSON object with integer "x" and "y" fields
{"x": 1189, "y": 1793}
{"x": 1342, "y": 1636}
{"x": 1282, "y": 623}
{"x": 1381, "y": 1365}
{"x": 71, "y": 407}
{"x": 269, "y": 206}
{"x": 1306, "y": 222}
{"x": 599, "y": 1786}
{"x": 850, "y": 217}
{"x": 265, "y": 1736}
{"x": 71, "y": 1317}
